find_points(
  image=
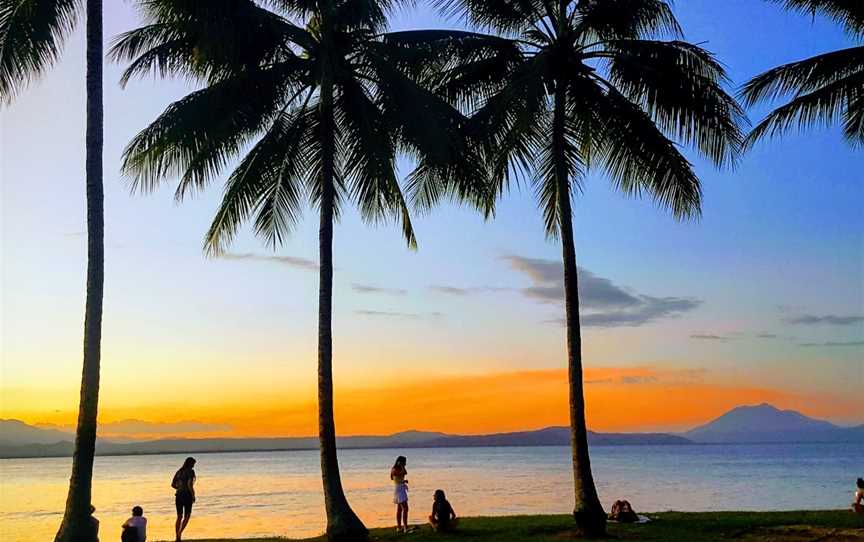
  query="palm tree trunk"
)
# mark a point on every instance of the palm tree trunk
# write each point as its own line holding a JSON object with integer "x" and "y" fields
{"x": 78, "y": 524}
{"x": 342, "y": 522}
{"x": 587, "y": 512}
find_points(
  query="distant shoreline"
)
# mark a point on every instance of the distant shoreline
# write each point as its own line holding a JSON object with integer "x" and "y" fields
{"x": 4, "y": 456}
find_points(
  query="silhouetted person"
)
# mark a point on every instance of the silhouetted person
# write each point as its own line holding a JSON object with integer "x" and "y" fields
{"x": 400, "y": 492}
{"x": 184, "y": 498}
{"x": 443, "y": 519}
{"x": 858, "y": 504}
{"x": 135, "y": 528}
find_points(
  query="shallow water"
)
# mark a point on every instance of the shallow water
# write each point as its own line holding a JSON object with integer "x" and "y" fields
{"x": 279, "y": 493}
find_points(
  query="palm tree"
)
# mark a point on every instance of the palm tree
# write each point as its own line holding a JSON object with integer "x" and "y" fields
{"x": 824, "y": 88}
{"x": 565, "y": 87}
{"x": 322, "y": 109}
{"x": 31, "y": 39}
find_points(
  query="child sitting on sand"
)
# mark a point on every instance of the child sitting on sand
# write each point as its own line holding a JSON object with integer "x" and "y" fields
{"x": 443, "y": 518}
{"x": 135, "y": 528}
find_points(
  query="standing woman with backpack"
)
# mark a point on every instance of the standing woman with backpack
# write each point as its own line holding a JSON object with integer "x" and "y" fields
{"x": 184, "y": 498}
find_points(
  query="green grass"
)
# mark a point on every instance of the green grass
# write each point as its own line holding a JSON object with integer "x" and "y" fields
{"x": 835, "y": 526}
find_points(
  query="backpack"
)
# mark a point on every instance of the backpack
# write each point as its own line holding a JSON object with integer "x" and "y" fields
{"x": 176, "y": 483}
{"x": 623, "y": 512}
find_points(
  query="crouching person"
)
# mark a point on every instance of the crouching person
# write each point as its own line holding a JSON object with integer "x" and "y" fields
{"x": 443, "y": 518}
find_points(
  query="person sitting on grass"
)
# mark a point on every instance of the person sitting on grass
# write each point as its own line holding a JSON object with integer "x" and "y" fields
{"x": 135, "y": 528}
{"x": 858, "y": 504}
{"x": 443, "y": 518}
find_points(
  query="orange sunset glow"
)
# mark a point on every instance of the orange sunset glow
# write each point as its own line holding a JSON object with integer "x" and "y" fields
{"x": 618, "y": 399}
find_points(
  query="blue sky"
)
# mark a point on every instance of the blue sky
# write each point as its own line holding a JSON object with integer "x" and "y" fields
{"x": 781, "y": 240}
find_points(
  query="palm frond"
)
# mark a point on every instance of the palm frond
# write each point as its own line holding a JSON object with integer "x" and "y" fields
{"x": 370, "y": 159}
{"x": 197, "y": 136}
{"x": 545, "y": 178}
{"x": 514, "y": 123}
{"x": 849, "y": 13}
{"x": 803, "y": 76}
{"x": 32, "y": 35}
{"x": 680, "y": 86}
{"x": 853, "y": 122}
{"x": 159, "y": 49}
{"x": 823, "y": 106}
{"x": 207, "y": 40}
{"x": 463, "y": 67}
{"x": 506, "y": 16}
{"x": 600, "y": 20}
{"x": 636, "y": 155}
{"x": 368, "y": 15}
{"x": 269, "y": 182}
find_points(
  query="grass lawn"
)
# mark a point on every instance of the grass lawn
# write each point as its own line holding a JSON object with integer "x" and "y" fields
{"x": 827, "y": 526}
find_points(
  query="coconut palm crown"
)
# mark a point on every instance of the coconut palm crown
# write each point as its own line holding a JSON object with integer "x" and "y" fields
{"x": 561, "y": 88}
{"x": 824, "y": 89}
{"x": 304, "y": 102}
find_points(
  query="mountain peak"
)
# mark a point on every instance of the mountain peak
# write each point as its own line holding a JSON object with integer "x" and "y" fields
{"x": 763, "y": 423}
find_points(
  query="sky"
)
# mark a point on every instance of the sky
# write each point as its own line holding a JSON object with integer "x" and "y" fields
{"x": 762, "y": 300}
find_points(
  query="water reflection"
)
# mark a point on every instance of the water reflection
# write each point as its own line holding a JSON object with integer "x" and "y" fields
{"x": 279, "y": 493}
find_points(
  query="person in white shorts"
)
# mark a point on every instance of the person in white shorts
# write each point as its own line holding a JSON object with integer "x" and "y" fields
{"x": 400, "y": 493}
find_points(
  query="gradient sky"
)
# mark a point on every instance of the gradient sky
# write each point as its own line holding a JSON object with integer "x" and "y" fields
{"x": 761, "y": 300}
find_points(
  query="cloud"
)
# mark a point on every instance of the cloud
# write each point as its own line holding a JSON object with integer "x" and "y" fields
{"x": 290, "y": 261}
{"x": 604, "y": 303}
{"x": 366, "y": 289}
{"x": 393, "y": 314}
{"x": 638, "y": 379}
{"x": 709, "y": 337}
{"x": 451, "y": 290}
{"x": 600, "y": 381}
{"x": 842, "y": 344}
{"x": 454, "y": 290}
{"x": 829, "y": 319}
{"x": 766, "y": 336}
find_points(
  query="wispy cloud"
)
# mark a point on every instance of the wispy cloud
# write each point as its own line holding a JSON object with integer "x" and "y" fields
{"x": 290, "y": 261}
{"x": 395, "y": 314}
{"x": 451, "y": 290}
{"x": 638, "y": 379}
{"x": 841, "y": 344}
{"x": 708, "y": 337}
{"x": 367, "y": 289}
{"x": 605, "y": 303}
{"x": 826, "y": 319}
{"x": 766, "y": 336}
{"x": 457, "y": 291}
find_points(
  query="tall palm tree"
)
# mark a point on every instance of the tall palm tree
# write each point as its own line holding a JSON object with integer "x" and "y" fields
{"x": 564, "y": 87}
{"x": 32, "y": 33}
{"x": 311, "y": 89}
{"x": 824, "y": 88}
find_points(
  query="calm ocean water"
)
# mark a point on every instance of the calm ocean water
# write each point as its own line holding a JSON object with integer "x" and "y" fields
{"x": 279, "y": 493}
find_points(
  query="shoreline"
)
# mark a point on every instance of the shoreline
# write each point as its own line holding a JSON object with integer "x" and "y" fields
{"x": 417, "y": 447}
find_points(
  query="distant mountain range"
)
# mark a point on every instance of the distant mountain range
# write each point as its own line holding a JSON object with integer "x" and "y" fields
{"x": 28, "y": 441}
{"x": 747, "y": 424}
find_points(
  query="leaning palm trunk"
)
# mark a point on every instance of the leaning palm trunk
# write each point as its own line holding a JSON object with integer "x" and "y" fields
{"x": 587, "y": 512}
{"x": 77, "y": 525}
{"x": 342, "y": 523}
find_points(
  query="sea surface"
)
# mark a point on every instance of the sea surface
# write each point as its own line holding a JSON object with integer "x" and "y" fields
{"x": 279, "y": 493}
